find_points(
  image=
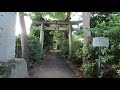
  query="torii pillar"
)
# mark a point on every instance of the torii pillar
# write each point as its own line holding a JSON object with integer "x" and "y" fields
{"x": 42, "y": 35}
{"x": 70, "y": 39}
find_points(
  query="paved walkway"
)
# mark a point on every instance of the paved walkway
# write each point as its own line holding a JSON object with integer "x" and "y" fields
{"x": 54, "y": 67}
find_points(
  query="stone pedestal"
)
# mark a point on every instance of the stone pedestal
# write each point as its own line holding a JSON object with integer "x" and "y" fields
{"x": 18, "y": 69}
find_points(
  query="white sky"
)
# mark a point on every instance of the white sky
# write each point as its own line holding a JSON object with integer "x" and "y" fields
{"x": 75, "y": 16}
{"x": 28, "y": 23}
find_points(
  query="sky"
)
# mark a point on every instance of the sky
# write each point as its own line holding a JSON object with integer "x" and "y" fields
{"x": 28, "y": 23}
{"x": 75, "y": 16}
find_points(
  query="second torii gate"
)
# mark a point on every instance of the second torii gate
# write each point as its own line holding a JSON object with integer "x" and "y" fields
{"x": 70, "y": 29}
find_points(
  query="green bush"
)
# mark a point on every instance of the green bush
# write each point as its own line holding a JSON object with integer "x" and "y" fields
{"x": 64, "y": 48}
{"x": 88, "y": 68}
{"x": 36, "y": 52}
{"x": 110, "y": 55}
{"x": 76, "y": 56}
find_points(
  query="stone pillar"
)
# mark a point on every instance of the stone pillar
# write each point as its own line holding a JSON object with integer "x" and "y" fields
{"x": 42, "y": 35}
{"x": 70, "y": 39}
{"x": 7, "y": 36}
{"x": 17, "y": 68}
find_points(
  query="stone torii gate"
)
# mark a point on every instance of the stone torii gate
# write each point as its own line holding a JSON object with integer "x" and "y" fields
{"x": 70, "y": 29}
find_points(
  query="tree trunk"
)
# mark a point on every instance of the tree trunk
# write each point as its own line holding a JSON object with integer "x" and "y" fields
{"x": 87, "y": 35}
{"x": 24, "y": 40}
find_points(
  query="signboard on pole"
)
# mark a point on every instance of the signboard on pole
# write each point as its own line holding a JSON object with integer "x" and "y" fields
{"x": 100, "y": 42}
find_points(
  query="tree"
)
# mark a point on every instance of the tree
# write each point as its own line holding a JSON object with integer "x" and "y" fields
{"x": 87, "y": 35}
{"x": 24, "y": 40}
{"x": 99, "y": 17}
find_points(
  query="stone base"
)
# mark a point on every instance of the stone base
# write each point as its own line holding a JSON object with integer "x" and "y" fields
{"x": 17, "y": 69}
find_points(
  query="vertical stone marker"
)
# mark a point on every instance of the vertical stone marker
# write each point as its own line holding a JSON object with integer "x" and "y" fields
{"x": 18, "y": 68}
{"x": 7, "y": 36}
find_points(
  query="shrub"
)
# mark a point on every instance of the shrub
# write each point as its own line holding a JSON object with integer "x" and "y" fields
{"x": 110, "y": 55}
{"x": 88, "y": 68}
{"x": 64, "y": 48}
{"x": 76, "y": 56}
{"x": 36, "y": 52}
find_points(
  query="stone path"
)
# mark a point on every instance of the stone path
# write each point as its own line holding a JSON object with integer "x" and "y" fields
{"x": 54, "y": 67}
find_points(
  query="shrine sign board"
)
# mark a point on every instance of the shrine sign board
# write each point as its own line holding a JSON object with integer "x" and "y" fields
{"x": 100, "y": 42}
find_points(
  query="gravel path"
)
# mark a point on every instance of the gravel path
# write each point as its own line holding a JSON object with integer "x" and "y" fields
{"x": 54, "y": 67}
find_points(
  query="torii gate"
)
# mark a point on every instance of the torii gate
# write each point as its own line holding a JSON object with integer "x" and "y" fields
{"x": 70, "y": 29}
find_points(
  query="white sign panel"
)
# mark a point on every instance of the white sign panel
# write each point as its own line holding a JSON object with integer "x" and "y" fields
{"x": 101, "y": 41}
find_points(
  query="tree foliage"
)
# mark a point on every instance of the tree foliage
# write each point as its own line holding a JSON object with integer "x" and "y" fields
{"x": 98, "y": 17}
{"x": 110, "y": 56}
{"x": 106, "y": 24}
{"x": 53, "y": 15}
